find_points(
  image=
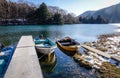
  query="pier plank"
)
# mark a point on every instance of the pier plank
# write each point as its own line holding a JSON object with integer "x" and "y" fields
{"x": 26, "y": 41}
{"x": 96, "y": 51}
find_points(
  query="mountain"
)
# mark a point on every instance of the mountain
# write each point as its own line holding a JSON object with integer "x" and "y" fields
{"x": 111, "y": 13}
{"x": 87, "y": 13}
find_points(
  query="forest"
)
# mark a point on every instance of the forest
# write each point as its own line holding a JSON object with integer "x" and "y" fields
{"x": 93, "y": 20}
{"x": 14, "y": 13}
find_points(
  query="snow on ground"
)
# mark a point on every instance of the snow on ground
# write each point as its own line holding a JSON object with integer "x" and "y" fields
{"x": 117, "y": 25}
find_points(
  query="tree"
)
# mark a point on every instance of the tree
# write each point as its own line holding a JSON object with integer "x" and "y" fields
{"x": 70, "y": 19}
{"x": 99, "y": 19}
{"x": 57, "y": 19}
{"x": 12, "y": 10}
{"x": 91, "y": 20}
{"x": 43, "y": 14}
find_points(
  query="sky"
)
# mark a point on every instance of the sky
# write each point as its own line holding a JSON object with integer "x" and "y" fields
{"x": 76, "y": 6}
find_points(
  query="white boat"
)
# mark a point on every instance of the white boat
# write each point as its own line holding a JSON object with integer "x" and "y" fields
{"x": 44, "y": 46}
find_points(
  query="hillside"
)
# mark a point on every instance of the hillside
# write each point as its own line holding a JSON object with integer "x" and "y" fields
{"x": 111, "y": 13}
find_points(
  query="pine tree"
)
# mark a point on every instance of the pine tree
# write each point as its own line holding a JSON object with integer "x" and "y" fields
{"x": 43, "y": 14}
{"x": 57, "y": 19}
{"x": 99, "y": 19}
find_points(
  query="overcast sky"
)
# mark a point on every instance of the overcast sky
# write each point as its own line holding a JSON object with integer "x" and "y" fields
{"x": 76, "y": 6}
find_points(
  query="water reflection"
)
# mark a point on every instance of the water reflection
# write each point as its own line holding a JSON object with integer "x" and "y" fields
{"x": 78, "y": 59}
{"x": 47, "y": 62}
{"x": 9, "y": 38}
{"x": 67, "y": 53}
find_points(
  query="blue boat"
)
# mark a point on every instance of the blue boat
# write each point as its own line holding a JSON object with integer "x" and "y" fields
{"x": 5, "y": 58}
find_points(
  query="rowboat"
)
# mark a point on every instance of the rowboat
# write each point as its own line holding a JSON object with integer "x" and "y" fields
{"x": 68, "y": 45}
{"x": 5, "y": 58}
{"x": 44, "y": 46}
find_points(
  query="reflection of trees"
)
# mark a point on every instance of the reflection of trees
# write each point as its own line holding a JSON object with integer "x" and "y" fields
{"x": 5, "y": 41}
{"x": 52, "y": 34}
{"x": 13, "y": 37}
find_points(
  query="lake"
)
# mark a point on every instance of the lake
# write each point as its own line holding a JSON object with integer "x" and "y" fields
{"x": 80, "y": 32}
{"x": 66, "y": 67}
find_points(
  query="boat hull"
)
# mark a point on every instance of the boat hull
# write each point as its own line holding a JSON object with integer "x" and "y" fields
{"x": 69, "y": 50}
{"x": 44, "y": 46}
{"x": 44, "y": 50}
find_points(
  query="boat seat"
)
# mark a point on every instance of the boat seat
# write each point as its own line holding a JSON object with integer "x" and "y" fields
{"x": 5, "y": 55}
{"x": 66, "y": 43}
{"x": 63, "y": 40}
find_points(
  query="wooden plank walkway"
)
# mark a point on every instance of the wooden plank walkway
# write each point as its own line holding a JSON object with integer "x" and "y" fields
{"x": 96, "y": 51}
{"x": 24, "y": 63}
{"x": 116, "y": 58}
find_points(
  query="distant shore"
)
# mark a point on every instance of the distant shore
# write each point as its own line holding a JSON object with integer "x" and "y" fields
{"x": 17, "y": 24}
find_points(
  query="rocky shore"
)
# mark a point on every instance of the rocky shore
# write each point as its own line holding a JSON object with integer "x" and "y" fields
{"x": 109, "y": 43}
{"x": 107, "y": 68}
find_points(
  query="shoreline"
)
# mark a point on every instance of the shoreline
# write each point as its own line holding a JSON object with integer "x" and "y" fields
{"x": 115, "y": 24}
{"x": 109, "y": 44}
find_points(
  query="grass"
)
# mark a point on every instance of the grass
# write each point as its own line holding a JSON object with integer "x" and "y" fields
{"x": 109, "y": 71}
{"x": 81, "y": 60}
{"x": 102, "y": 49}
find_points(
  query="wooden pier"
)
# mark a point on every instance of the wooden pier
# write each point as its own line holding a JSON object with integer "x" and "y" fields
{"x": 24, "y": 63}
{"x": 96, "y": 51}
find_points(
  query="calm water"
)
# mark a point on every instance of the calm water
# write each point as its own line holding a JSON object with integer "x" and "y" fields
{"x": 66, "y": 67}
{"x": 80, "y": 32}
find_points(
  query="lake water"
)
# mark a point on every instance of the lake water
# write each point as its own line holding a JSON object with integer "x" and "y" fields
{"x": 66, "y": 67}
{"x": 80, "y": 32}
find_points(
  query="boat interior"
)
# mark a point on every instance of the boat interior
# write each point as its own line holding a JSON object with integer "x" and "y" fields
{"x": 44, "y": 42}
{"x": 68, "y": 42}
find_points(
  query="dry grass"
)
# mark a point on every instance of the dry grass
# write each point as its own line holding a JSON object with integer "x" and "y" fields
{"x": 109, "y": 71}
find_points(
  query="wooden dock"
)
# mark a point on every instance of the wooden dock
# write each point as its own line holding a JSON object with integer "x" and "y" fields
{"x": 96, "y": 51}
{"x": 24, "y": 63}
